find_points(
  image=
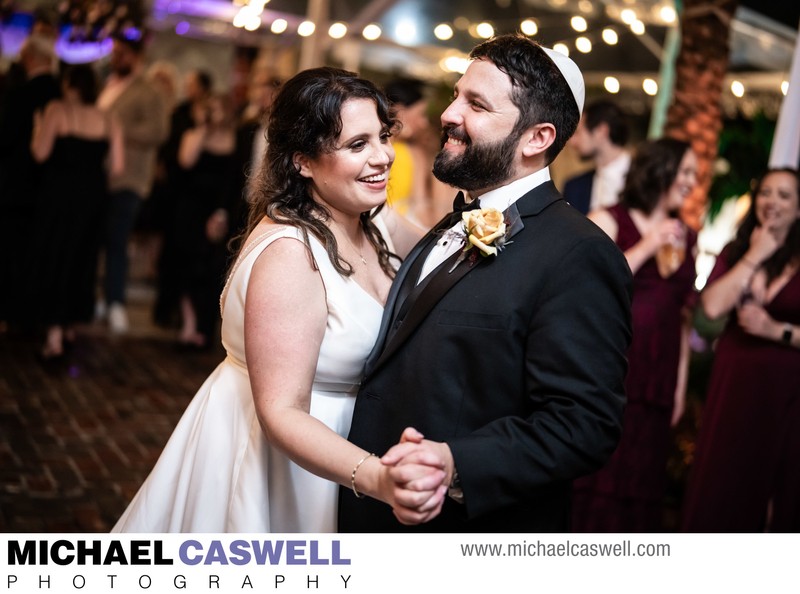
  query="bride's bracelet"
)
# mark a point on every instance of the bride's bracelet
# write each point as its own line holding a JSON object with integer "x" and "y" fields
{"x": 353, "y": 476}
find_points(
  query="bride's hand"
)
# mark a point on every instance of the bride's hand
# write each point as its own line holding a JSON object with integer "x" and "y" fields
{"x": 419, "y": 471}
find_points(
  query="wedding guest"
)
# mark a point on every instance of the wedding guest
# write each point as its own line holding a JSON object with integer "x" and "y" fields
{"x": 18, "y": 170}
{"x": 203, "y": 205}
{"x": 251, "y": 138}
{"x": 261, "y": 446}
{"x": 410, "y": 190}
{"x": 600, "y": 138}
{"x": 627, "y": 494}
{"x": 744, "y": 476}
{"x": 511, "y": 364}
{"x": 188, "y": 114}
{"x": 72, "y": 140}
{"x": 139, "y": 107}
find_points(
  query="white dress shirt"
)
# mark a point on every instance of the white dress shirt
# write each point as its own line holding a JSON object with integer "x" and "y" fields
{"x": 500, "y": 198}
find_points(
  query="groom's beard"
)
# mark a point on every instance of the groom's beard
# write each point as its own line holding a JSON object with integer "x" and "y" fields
{"x": 480, "y": 166}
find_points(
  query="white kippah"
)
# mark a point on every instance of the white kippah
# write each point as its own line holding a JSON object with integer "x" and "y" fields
{"x": 571, "y": 73}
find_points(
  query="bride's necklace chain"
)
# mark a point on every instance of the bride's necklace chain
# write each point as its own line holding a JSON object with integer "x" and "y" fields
{"x": 359, "y": 252}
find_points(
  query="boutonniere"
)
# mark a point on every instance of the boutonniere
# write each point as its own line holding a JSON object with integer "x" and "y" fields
{"x": 485, "y": 231}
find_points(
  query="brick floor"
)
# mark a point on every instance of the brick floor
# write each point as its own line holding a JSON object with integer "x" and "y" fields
{"x": 78, "y": 436}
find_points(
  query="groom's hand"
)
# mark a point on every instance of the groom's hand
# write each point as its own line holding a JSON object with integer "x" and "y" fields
{"x": 421, "y": 471}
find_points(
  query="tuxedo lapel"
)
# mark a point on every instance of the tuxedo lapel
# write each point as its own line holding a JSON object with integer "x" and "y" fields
{"x": 403, "y": 285}
{"x": 422, "y": 299}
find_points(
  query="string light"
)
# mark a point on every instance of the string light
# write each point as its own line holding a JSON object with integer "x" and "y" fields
{"x": 610, "y": 36}
{"x": 371, "y": 32}
{"x": 583, "y": 44}
{"x": 579, "y": 24}
{"x": 611, "y": 84}
{"x": 561, "y": 48}
{"x": 485, "y": 30}
{"x": 306, "y": 28}
{"x": 249, "y": 17}
{"x": 337, "y": 30}
{"x": 668, "y": 14}
{"x": 279, "y": 26}
{"x": 454, "y": 64}
{"x": 443, "y": 31}
{"x": 627, "y": 16}
{"x": 253, "y": 24}
{"x": 461, "y": 23}
{"x": 529, "y": 27}
{"x": 785, "y": 87}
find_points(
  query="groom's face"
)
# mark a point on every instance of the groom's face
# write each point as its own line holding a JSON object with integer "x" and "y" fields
{"x": 479, "y": 143}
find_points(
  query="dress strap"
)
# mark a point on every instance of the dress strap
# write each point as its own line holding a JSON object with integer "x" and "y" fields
{"x": 246, "y": 251}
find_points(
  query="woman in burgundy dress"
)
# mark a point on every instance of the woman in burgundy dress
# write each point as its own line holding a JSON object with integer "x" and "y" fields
{"x": 745, "y": 475}
{"x": 626, "y": 495}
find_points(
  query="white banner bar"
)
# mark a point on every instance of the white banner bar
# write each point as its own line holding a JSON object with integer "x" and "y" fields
{"x": 380, "y": 563}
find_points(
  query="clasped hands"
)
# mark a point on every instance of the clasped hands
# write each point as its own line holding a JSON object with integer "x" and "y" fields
{"x": 418, "y": 472}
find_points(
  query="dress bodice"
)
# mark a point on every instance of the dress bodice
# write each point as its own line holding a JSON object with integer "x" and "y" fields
{"x": 353, "y": 321}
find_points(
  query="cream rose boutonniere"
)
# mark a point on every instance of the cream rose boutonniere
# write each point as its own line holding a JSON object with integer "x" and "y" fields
{"x": 486, "y": 234}
{"x": 484, "y": 227}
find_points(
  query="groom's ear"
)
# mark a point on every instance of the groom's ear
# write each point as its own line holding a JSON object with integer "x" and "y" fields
{"x": 302, "y": 164}
{"x": 537, "y": 139}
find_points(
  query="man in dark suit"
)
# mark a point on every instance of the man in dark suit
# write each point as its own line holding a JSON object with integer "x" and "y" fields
{"x": 511, "y": 365}
{"x": 601, "y": 137}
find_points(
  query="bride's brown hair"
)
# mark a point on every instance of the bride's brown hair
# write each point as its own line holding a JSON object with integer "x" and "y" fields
{"x": 306, "y": 119}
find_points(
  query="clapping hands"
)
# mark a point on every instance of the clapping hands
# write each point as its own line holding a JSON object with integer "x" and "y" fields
{"x": 419, "y": 472}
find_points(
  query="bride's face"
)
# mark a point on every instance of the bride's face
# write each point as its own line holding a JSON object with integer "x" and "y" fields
{"x": 352, "y": 177}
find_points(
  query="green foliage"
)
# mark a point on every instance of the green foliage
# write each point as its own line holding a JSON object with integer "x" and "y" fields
{"x": 745, "y": 145}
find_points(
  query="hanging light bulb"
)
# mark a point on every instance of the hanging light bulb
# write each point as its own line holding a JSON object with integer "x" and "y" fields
{"x": 785, "y": 87}
{"x": 306, "y": 28}
{"x": 443, "y": 31}
{"x": 337, "y": 30}
{"x": 668, "y": 14}
{"x": 627, "y": 16}
{"x": 611, "y": 84}
{"x": 484, "y": 30}
{"x": 583, "y": 44}
{"x": 650, "y": 86}
{"x": 579, "y": 24}
{"x": 737, "y": 88}
{"x": 279, "y": 26}
{"x": 637, "y": 27}
{"x": 371, "y": 32}
{"x": 610, "y": 36}
{"x": 529, "y": 27}
{"x": 561, "y": 48}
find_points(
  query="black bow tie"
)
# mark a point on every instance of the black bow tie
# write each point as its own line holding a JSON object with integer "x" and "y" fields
{"x": 460, "y": 203}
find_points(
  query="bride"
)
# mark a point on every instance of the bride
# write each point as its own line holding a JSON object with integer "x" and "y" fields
{"x": 260, "y": 447}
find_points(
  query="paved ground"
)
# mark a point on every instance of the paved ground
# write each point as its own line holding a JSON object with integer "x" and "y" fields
{"x": 78, "y": 436}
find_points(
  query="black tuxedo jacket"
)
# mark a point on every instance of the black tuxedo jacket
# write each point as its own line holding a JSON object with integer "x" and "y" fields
{"x": 516, "y": 361}
{"x": 578, "y": 191}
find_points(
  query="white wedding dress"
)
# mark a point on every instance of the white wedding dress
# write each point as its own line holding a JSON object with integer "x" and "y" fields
{"x": 218, "y": 473}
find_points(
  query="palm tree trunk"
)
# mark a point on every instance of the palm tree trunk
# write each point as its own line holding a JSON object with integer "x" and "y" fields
{"x": 695, "y": 114}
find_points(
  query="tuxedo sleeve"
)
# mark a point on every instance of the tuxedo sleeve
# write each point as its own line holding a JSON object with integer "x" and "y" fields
{"x": 575, "y": 366}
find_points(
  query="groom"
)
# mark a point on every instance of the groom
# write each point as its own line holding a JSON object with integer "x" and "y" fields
{"x": 511, "y": 365}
